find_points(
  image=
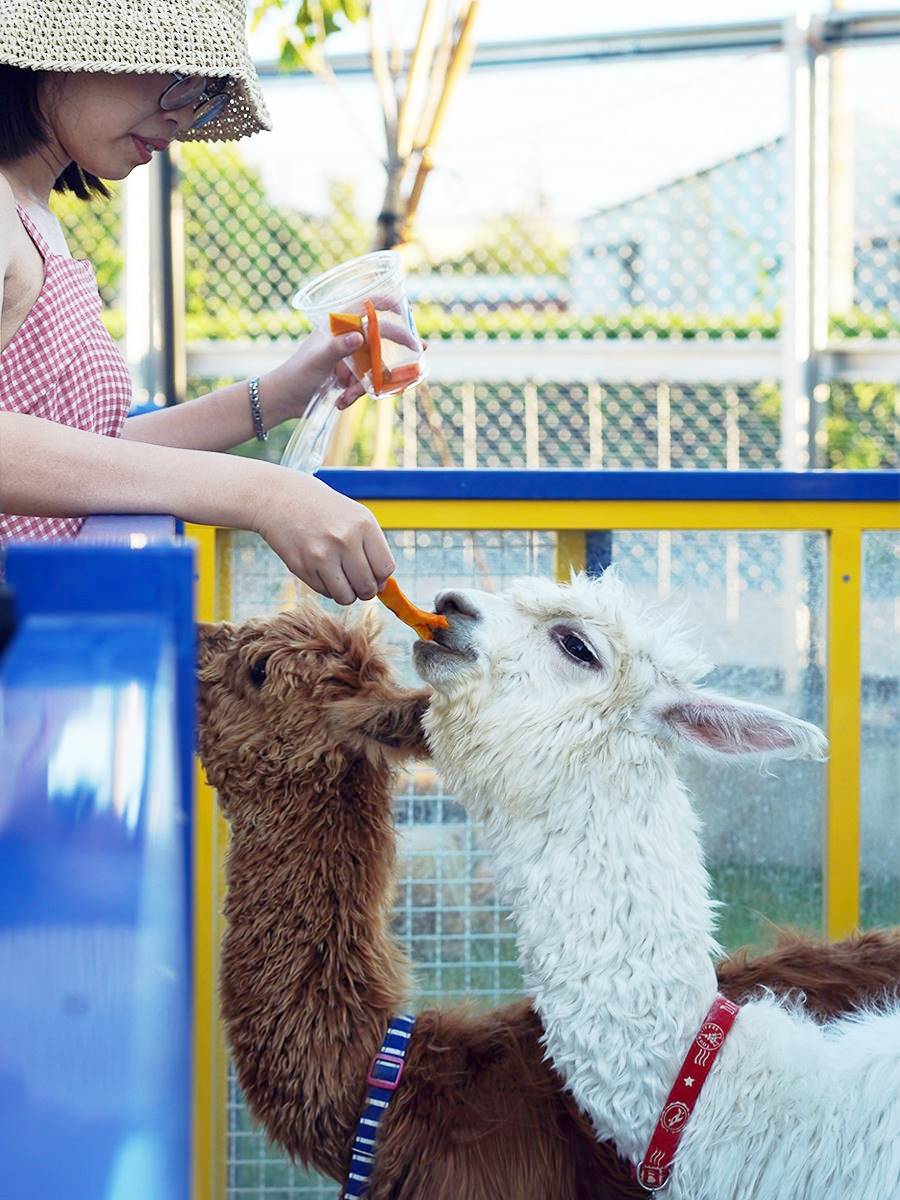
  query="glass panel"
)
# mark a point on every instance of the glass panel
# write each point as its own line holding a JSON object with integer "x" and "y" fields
{"x": 757, "y": 601}
{"x": 880, "y": 810}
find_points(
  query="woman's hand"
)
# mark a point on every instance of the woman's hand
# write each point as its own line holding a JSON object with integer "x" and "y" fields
{"x": 286, "y": 391}
{"x": 329, "y": 541}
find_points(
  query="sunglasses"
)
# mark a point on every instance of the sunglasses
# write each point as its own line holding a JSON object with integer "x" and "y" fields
{"x": 207, "y": 96}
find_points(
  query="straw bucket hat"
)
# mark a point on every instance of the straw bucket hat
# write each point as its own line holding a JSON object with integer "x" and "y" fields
{"x": 193, "y": 37}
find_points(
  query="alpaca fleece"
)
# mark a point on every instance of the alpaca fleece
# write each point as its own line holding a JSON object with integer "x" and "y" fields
{"x": 302, "y": 730}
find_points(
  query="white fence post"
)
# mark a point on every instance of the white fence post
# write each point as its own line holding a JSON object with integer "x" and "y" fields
{"x": 802, "y": 331}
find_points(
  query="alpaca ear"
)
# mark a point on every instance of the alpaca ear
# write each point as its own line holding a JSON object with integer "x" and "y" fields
{"x": 372, "y": 620}
{"x": 212, "y": 636}
{"x": 398, "y": 723}
{"x": 721, "y": 726}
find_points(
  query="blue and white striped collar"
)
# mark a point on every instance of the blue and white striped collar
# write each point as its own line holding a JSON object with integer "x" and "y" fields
{"x": 384, "y": 1075}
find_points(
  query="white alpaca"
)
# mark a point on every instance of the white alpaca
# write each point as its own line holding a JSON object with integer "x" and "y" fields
{"x": 556, "y": 718}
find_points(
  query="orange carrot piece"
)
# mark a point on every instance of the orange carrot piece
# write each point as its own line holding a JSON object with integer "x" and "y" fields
{"x": 345, "y": 323}
{"x": 374, "y": 340}
{"x": 352, "y": 323}
{"x": 401, "y": 377}
{"x": 424, "y": 623}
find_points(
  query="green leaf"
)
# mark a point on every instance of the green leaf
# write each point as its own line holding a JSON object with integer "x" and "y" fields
{"x": 333, "y": 14}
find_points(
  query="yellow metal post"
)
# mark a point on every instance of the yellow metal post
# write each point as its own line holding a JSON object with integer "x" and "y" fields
{"x": 842, "y": 844}
{"x": 571, "y": 552}
{"x": 209, "y": 1150}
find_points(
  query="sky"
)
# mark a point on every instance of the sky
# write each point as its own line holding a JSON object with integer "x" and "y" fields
{"x": 567, "y": 139}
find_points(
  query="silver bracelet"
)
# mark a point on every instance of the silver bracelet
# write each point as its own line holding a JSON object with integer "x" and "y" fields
{"x": 262, "y": 434}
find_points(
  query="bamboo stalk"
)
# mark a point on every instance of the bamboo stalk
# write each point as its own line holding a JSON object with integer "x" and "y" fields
{"x": 384, "y": 83}
{"x": 439, "y": 66}
{"x": 415, "y": 195}
{"x": 421, "y": 60}
{"x": 460, "y": 58}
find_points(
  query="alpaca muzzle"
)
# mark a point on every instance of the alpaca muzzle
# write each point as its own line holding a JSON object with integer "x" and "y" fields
{"x": 463, "y": 617}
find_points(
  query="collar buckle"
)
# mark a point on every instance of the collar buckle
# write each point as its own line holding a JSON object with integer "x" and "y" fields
{"x": 390, "y": 1062}
{"x": 651, "y": 1179}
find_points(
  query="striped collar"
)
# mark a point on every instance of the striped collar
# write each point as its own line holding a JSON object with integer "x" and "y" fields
{"x": 383, "y": 1079}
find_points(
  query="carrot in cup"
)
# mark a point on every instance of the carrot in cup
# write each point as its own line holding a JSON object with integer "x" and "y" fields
{"x": 340, "y": 323}
{"x": 424, "y": 623}
{"x": 374, "y": 340}
{"x": 403, "y": 376}
{"x": 345, "y": 323}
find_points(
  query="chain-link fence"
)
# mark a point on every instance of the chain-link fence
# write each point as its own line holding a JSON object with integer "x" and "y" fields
{"x": 671, "y": 241}
{"x": 757, "y": 602}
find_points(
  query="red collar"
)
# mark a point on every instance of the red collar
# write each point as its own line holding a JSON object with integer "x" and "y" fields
{"x": 653, "y": 1172}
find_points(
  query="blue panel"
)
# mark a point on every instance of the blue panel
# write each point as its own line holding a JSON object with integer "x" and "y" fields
{"x": 614, "y": 485}
{"x": 95, "y": 1000}
{"x": 73, "y": 577}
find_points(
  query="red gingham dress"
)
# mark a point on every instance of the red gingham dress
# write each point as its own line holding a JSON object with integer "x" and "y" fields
{"x": 62, "y": 365}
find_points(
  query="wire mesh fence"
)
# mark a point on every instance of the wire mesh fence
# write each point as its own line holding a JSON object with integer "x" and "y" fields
{"x": 524, "y": 242}
{"x": 758, "y": 603}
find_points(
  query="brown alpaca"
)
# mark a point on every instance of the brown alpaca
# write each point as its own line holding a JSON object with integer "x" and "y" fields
{"x": 301, "y": 731}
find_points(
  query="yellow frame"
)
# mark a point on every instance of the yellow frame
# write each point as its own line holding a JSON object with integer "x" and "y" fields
{"x": 209, "y": 1150}
{"x": 843, "y": 523}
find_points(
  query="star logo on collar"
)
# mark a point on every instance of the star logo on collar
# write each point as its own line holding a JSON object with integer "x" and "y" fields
{"x": 688, "y": 1081}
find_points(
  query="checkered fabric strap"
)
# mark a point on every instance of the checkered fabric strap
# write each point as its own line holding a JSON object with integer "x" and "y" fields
{"x": 384, "y": 1075}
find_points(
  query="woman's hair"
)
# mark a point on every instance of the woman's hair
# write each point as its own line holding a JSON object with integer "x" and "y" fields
{"x": 22, "y": 129}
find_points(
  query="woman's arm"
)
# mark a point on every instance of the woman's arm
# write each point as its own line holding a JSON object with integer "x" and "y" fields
{"x": 329, "y": 541}
{"x": 214, "y": 422}
{"x": 223, "y": 418}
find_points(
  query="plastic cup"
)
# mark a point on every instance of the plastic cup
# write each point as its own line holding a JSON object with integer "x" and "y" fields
{"x": 368, "y": 294}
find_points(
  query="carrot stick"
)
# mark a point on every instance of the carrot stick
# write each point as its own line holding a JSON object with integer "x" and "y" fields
{"x": 401, "y": 377}
{"x": 424, "y": 623}
{"x": 345, "y": 323}
{"x": 374, "y": 340}
{"x": 352, "y": 323}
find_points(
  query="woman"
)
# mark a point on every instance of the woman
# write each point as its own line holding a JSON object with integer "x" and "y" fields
{"x": 90, "y": 90}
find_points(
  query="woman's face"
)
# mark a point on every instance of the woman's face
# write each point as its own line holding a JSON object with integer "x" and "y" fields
{"x": 110, "y": 123}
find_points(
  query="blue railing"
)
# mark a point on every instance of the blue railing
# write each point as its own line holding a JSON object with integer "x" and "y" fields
{"x": 774, "y": 486}
{"x": 96, "y": 732}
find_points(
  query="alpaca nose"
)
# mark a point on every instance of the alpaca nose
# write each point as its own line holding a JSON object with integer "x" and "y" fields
{"x": 455, "y": 604}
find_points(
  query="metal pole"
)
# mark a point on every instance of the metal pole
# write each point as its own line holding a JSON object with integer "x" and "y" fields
{"x": 137, "y": 285}
{"x": 799, "y": 367}
{"x": 170, "y": 219}
{"x": 838, "y": 28}
{"x": 153, "y": 286}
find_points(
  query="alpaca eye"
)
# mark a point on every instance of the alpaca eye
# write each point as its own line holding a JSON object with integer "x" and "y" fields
{"x": 258, "y": 671}
{"x": 575, "y": 648}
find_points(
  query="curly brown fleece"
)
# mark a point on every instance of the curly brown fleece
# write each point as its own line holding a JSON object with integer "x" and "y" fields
{"x": 301, "y": 730}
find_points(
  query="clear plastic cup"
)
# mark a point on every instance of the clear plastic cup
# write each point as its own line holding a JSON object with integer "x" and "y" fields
{"x": 367, "y": 294}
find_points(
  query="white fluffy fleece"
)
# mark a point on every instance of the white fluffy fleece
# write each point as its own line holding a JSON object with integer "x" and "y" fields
{"x": 570, "y": 763}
